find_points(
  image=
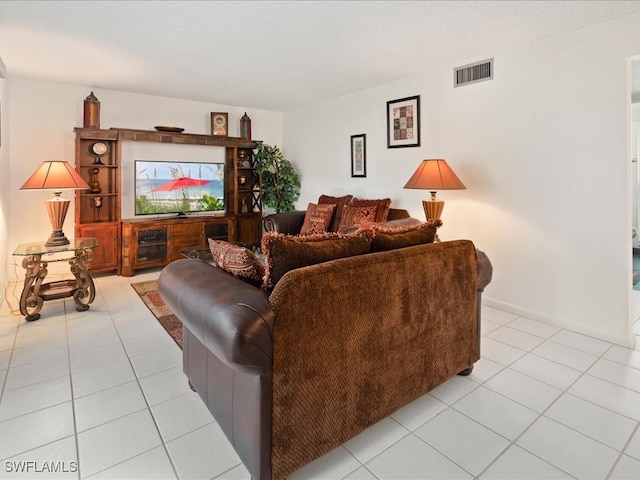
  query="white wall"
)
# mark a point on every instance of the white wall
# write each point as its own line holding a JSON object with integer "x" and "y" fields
{"x": 4, "y": 178}
{"x": 544, "y": 152}
{"x": 543, "y": 149}
{"x": 42, "y": 118}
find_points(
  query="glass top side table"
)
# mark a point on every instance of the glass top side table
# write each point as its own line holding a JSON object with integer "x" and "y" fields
{"x": 200, "y": 253}
{"x": 35, "y": 292}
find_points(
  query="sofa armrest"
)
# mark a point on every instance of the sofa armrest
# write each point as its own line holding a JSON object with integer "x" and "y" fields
{"x": 289, "y": 222}
{"x": 485, "y": 274}
{"x": 230, "y": 317}
{"x": 397, "y": 214}
{"x": 485, "y": 271}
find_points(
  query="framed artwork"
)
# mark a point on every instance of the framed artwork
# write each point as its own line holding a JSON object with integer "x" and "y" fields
{"x": 220, "y": 124}
{"x": 403, "y": 122}
{"x": 359, "y": 155}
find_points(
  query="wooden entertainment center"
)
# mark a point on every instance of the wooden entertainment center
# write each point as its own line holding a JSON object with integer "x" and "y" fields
{"x": 125, "y": 245}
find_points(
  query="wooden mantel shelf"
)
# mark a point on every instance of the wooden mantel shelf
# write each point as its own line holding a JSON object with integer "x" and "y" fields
{"x": 127, "y": 134}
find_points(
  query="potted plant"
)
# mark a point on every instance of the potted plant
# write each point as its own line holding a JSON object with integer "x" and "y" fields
{"x": 280, "y": 181}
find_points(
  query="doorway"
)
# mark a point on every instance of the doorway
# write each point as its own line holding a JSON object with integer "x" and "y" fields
{"x": 635, "y": 171}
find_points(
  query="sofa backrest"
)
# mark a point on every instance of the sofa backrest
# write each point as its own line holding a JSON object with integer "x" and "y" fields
{"x": 357, "y": 338}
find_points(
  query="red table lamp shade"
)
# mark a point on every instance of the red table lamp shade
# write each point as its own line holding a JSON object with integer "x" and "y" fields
{"x": 55, "y": 175}
{"x": 433, "y": 175}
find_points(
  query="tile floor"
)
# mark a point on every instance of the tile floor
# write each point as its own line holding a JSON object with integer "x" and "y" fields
{"x": 101, "y": 394}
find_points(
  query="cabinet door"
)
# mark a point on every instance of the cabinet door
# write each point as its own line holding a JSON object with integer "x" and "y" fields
{"x": 107, "y": 255}
{"x": 219, "y": 230}
{"x": 250, "y": 230}
{"x": 151, "y": 246}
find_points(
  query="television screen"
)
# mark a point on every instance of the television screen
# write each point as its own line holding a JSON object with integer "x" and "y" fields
{"x": 164, "y": 187}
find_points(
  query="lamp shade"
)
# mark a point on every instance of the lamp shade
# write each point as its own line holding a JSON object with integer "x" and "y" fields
{"x": 435, "y": 174}
{"x": 54, "y": 175}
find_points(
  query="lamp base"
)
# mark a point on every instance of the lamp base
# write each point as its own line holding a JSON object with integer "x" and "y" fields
{"x": 57, "y": 239}
{"x": 57, "y": 209}
{"x": 433, "y": 207}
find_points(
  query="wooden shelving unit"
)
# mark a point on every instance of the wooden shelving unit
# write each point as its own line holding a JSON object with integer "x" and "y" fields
{"x": 243, "y": 198}
{"x": 97, "y": 211}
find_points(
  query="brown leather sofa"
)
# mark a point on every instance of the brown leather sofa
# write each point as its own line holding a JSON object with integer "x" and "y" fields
{"x": 335, "y": 347}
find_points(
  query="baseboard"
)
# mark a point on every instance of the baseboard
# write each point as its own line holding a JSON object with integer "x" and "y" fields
{"x": 621, "y": 340}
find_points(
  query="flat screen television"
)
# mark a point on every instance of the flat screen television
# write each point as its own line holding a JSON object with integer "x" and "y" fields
{"x": 179, "y": 188}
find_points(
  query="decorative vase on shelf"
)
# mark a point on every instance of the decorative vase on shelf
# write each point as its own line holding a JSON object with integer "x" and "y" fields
{"x": 245, "y": 126}
{"x": 91, "y": 112}
{"x": 97, "y": 203}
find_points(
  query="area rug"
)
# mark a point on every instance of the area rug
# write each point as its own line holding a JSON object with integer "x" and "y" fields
{"x": 148, "y": 292}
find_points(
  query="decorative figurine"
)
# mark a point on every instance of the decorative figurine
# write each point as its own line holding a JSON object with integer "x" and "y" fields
{"x": 243, "y": 161}
{"x": 95, "y": 183}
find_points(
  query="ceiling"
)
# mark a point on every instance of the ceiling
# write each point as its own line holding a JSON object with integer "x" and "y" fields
{"x": 274, "y": 55}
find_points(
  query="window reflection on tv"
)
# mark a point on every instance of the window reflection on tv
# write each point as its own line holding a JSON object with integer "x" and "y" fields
{"x": 164, "y": 187}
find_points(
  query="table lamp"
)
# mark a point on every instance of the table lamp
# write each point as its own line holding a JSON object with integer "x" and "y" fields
{"x": 433, "y": 175}
{"x": 55, "y": 175}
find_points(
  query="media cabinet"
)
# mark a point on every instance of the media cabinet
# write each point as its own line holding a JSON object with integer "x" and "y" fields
{"x": 130, "y": 244}
{"x": 154, "y": 243}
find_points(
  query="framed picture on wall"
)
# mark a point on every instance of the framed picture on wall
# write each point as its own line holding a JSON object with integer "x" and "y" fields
{"x": 403, "y": 122}
{"x": 220, "y": 124}
{"x": 359, "y": 155}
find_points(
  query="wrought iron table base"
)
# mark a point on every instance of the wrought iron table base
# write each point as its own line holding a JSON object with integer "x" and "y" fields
{"x": 35, "y": 292}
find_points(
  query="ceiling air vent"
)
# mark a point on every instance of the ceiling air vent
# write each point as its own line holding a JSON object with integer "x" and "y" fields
{"x": 476, "y": 72}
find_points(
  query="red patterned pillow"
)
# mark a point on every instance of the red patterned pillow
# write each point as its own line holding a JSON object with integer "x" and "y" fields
{"x": 382, "y": 204}
{"x": 287, "y": 252}
{"x": 339, "y": 202}
{"x": 357, "y": 216}
{"x": 237, "y": 261}
{"x": 317, "y": 218}
{"x": 390, "y": 238}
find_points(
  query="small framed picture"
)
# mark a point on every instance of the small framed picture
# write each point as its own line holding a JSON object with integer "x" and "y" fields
{"x": 359, "y": 155}
{"x": 220, "y": 124}
{"x": 403, "y": 122}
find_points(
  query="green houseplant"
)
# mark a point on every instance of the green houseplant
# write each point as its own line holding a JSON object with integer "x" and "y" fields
{"x": 280, "y": 181}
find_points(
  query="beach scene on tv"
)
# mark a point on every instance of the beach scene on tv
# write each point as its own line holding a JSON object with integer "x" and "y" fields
{"x": 178, "y": 187}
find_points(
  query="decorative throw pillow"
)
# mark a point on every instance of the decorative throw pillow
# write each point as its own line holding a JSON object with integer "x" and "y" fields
{"x": 237, "y": 261}
{"x": 382, "y": 204}
{"x": 357, "y": 216}
{"x": 339, "y": 202}
{"x": 286, "y": 252}
{"x": 317, "y": 218}
{"x": 390, "y": 238}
